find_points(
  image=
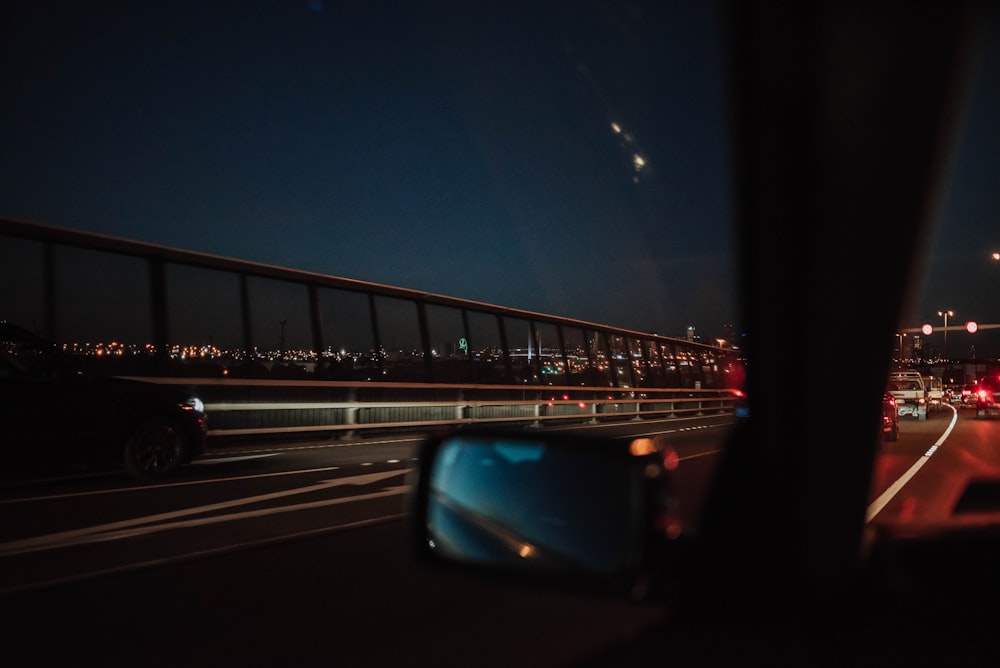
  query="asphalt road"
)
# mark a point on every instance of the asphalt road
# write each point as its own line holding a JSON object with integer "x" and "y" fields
{"x": 351, "y": 598}
{"x": 290, "y": 555}
{"x": 300, "y": 556}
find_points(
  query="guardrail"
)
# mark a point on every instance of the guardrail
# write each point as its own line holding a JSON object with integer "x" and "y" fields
{"x": 283, "y": 409}
{"x": 276, "y": 352}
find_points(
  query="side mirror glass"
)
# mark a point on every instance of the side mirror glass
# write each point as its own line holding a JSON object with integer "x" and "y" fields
{"x": 544, "y": 505}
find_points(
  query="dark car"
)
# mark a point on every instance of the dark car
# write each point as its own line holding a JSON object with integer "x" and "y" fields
{"x": 741, "y": 405}
{"x": 986, "y": 396}
{"x": 55, "y": 415}
{"x": 968, "y": 394}
{"x": 890, "y": 417}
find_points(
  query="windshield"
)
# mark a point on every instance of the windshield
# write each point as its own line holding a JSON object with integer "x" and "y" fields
{"x": 347, "y": 227}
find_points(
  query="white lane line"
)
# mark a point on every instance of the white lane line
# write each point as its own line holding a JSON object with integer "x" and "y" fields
{"x": 65, "y": 537}
{"x": 225, "y": 460}
{"x": 191, "y": 556}
{"x": 878, "y": 504}
{"x": 326, "y": 445}
{"x": 181, "y": 483}
{"x": 105, "y": 536}
{"x": 700, "y": 454}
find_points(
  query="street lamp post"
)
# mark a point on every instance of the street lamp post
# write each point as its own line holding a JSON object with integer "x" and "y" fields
{"x": 945, "y": 314}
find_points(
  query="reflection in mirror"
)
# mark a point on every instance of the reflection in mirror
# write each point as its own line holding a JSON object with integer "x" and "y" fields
{"x": 539, "y": 505}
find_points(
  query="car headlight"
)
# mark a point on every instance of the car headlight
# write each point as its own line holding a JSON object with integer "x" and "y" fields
{"x": 195, "y": 404}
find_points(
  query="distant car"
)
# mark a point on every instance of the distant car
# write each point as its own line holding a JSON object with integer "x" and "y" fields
{"x": 935, "y": 392}
{"x": 907, "y": 387}
{"x": 54, "y": 415}
{"x": 986, "y": 397}
{"x": 741, "y": 407}
{"x": 968, "y": 396}
{"x": 890, "y": 417}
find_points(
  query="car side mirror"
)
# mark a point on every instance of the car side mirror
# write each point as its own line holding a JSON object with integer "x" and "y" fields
{"x": 551, "y": 507}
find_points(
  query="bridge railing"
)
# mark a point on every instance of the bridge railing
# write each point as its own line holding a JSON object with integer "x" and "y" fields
{"x": 274, "y": 350}
{"x": 315, "y": 409}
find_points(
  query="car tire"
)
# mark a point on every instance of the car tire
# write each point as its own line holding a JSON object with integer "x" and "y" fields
{"x": 154, "y": 449}
{"x": 892, "y": 435}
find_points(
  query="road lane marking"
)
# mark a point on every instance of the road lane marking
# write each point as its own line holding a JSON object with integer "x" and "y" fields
{"x": 74, "y": 536}
{"x": 225, "y": 460}
{"x": 323, "y": 445}
{"x": 107, "y": 536}
{"x": 181, "y": 483}
{"x": 885, "y": 497}
{"x": 192, "y": 556}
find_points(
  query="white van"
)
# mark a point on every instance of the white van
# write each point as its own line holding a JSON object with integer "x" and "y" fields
{"x": 935, "y": 392}
{"x": 910, "y": 393}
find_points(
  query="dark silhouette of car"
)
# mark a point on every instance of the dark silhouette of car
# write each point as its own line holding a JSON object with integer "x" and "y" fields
{"x": 741, "y": 405}
{"x": 56, "y": 416}
{"x": 986, "y": 396}
{"x": 890, "y": 417}
{"x": 968, "y": 395}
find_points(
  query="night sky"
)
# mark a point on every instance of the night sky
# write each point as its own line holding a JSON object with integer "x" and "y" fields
{"x": 454, "y": 148}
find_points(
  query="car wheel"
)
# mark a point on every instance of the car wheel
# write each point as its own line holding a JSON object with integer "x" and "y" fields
{"x": 154, "y": 449}
{"x": 892, "y": 435}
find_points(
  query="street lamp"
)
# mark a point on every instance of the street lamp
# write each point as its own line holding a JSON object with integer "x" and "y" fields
{"x": 945, "y": 314}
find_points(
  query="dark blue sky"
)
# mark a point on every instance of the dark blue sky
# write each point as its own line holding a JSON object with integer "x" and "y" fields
{"x": 958, "y": 274}
{"x": 456, "y": 148}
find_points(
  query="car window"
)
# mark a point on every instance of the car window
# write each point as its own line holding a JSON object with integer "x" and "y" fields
{"x": 336, "y": 219}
